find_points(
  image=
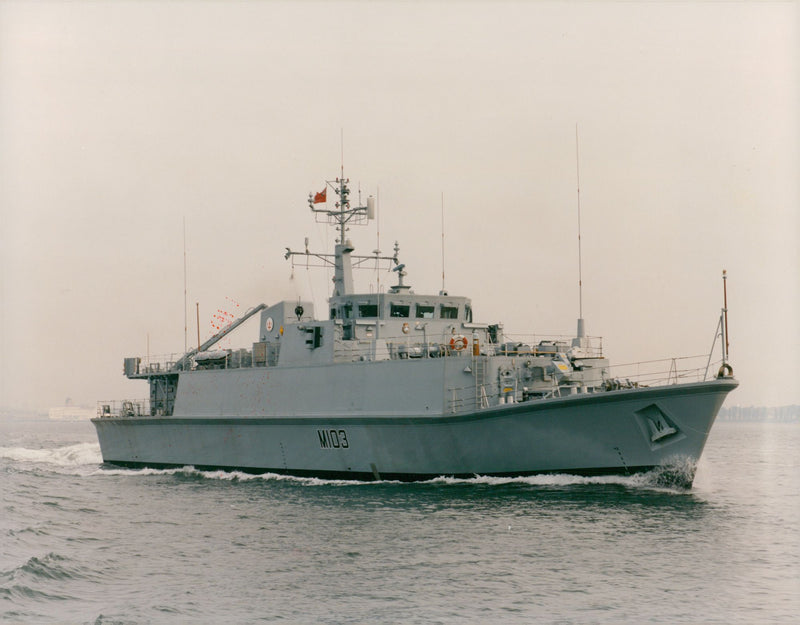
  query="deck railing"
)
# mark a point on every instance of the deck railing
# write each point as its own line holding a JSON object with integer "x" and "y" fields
{"x": 390, "y": 347}
{"x": 665, "y": 371}
{"x": 481, "y": 394}
{"x": 652, "y": 373}
{"x": 123, "y": 408}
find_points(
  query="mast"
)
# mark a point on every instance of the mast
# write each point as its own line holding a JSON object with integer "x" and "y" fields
{"x": 726, "y": 343}
{"x": 341, "y": 215}
{"x": 343, "y": 266}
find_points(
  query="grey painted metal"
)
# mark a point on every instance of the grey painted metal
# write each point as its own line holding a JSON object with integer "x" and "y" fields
{"x": 404, "y": 386}
{"x": 605, "y": 432}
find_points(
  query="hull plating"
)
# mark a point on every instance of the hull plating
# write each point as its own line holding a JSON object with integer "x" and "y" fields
{"x": 612, "y": 432}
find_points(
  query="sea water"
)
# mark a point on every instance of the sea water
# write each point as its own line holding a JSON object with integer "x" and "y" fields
{"x": 87, "y": 543}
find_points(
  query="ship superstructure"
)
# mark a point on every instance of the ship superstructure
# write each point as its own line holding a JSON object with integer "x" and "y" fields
{"x": 400, "y": 385}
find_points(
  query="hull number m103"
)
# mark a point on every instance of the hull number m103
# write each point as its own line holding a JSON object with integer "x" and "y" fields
{"x": 333, "y": 439}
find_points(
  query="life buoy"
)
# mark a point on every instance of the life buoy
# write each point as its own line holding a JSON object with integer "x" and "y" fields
{"x": 458, "y": 343}
{"x": 725, "y": 371}
{"x": 405, "y": 328}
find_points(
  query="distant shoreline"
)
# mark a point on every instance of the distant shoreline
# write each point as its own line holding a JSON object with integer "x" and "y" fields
{"x": 761, "y": 414}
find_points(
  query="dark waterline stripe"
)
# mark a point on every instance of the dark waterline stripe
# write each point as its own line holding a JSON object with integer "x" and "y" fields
{"x": 368, "y": 476}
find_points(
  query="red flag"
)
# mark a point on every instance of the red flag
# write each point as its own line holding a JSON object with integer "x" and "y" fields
{"x": 321, "y": 196}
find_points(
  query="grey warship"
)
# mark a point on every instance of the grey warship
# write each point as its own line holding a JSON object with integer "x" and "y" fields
{"x": 396, "y": 385}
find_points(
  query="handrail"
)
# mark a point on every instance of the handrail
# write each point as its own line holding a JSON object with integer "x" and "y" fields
{"x": 594, "y": 343}
{"x": 661, "y": 372}
{"x": 402, "y": 347}
{"x": 123, "y": 408}
{"x": 459, "y": 399}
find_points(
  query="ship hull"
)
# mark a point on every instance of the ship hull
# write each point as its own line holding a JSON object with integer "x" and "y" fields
{"x": 618, "y": 432}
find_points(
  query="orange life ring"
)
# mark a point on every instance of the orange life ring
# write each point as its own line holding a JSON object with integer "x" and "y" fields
{"x": 458, "y": 343}
{"x": 405, "y": 328}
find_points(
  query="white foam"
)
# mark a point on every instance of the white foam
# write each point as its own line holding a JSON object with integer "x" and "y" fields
{"x": 652, "y": 480}
{"x": 79, "y": 454}
{"x": 227, "y": 476}
{"x": 550, "y": 479}
{"x": 649, "y": 480}
{"x": 272, "y": 477}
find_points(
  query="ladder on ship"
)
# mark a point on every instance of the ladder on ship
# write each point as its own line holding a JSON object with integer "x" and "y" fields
{"x": 479, "y": 372}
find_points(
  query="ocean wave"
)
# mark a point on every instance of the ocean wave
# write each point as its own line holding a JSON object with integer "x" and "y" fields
{"x": 48, "y": 567}
{"x": 102, "y": 619}
{"x": 21, "y": 591}
{"x": 80, "y": 454}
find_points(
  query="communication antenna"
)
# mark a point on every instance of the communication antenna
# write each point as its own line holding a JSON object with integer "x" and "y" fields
{"x": 443, "y": 289}
{"x": 185, "y": 303}
{"x": 377, "y": 256}
{"x": 581, "y": 328}
{"x": 197, "y": 306}
{"x": 378, "y": 239}
{"x": 340, "y": 215}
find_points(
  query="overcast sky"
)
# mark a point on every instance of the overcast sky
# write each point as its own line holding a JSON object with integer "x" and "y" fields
{"x": 121, "y": 121}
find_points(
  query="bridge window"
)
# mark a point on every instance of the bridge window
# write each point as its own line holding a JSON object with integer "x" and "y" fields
{"x": 367, "y": 310}
{"x": 398, "y": 310}
{"x": 424, "y": 311}
{"x": 448, "y": 312}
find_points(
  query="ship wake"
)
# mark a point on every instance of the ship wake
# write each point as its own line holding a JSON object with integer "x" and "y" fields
{"x": 677, "y": 472}
{"x": 77, "y": 455}
{"x": 675, "y": 475}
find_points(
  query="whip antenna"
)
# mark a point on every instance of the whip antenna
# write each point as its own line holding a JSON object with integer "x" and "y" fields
{"x": 185, "y": 313}
{"x": 581, "y": 330}
{"x": 378, "y": 239}
{"x": 443, "y": 290}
